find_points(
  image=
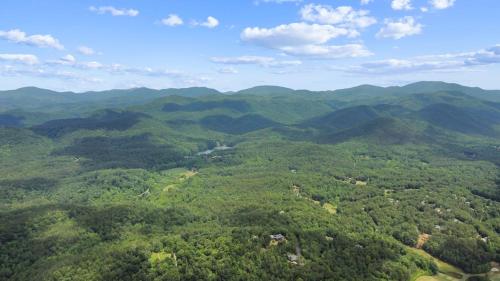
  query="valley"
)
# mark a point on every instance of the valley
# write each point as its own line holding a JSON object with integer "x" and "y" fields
{"x": 190, "y": 184}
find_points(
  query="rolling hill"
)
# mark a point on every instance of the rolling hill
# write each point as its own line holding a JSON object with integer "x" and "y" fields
{"x": 267, "y": 183}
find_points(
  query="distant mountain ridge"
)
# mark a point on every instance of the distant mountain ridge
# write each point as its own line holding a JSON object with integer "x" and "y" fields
{"x": 31, "y": 105}
{"x": 37, "y": 98}
{"x": 359, "y": 91}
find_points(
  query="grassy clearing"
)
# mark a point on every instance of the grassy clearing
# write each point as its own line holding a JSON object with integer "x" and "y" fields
{"x": 439, "y": 277}
{"x": 177, "y": 176}
{"x": 447, "y": 269}
{"x": 422, "y": 238}
{"x": 330, "y": 208}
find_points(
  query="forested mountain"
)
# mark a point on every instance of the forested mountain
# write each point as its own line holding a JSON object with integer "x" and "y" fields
{"x": 267, "y": 183}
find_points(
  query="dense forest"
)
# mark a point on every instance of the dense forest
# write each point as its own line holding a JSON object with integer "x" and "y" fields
{"x": 268, "y": 183}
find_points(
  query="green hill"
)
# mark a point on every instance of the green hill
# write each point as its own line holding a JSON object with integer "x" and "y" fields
{"x": 457, "y": 119}
{"x": 265, "y": 91}
{"x": 267, "y": 183}
{"x": 382, "y": 130}
{"x": 344, "y": 118}
{"x": 240, "y": 125}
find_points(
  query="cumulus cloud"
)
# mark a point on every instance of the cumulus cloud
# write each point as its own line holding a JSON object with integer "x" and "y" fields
{"x": 343, "y": 16}
{"x": 401, "y": 5}
{"x": 442, "y": 4}
{"x": 84, "y": 50}
{"x": 20, "y": 37}
{"x": 114, "y": 11}
{"x": 256, "y": 60}
{"x": 172, "y": 20}
{"x": 211, "y": 22}
{"x": 443, "y": 62}
{"x": 68, "y": 58}
{"x": 366, "y": 2}
{"x": 304, "y": 39}
{"x": 310, "y": 38}
{"x": 21, "y": 58}
{"x": 400, "y": 28}
{"x": 294, "y": 34}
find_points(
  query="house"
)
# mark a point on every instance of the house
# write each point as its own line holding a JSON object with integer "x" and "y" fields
{"x": 277, "y": 237}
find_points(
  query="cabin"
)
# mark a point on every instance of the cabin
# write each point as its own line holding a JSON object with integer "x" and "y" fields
{"x": 277, "y": 237}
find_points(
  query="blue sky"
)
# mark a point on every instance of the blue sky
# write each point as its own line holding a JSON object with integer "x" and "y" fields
{"x": 230, "y": 45}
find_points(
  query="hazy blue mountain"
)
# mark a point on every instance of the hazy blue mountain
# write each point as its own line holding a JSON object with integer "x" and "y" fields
{"x": 265, "y": 91}
{"x": 33, "y": 98}
{"x": 371, "y": 92}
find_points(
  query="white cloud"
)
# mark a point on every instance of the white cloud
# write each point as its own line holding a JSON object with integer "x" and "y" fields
{"x": 70, "y": 61}
{"x": 64, "y": 75}
{"x": 22, "y": 58}
{"x": 402, "y": 66}
{"x": 256, "y": 60}
{"x": 114, "y": 11}
{"x": 68, "y": 68}
{"x": 398, "y": 29}
{"x": 304, "y": 39}
{"x": 487, "y": 56}
{"x": 211, "y": 22}
{"x": 343, "y": 16}
{"x": 328, "y": 51}
{"x": 228, "y": 70}
{"x": 366, "y": 2}
{"x": 84, "y": 50}
{"x": 172, "y": 20}
{"x": 310, "y": 40}
{"x": 401, "y": 4}
{"x": 180, "y": 78}
{"x": 294, "y": 34}
{"x": 431, "y": 63}
{"x": 18, "y": 36}
{"x": 442, "y": 4}
{"x": 424, "y": 9}
{"x": 91, "y": 65}
{"x": 41, "y": 72}
{"x": 68, "y": 58}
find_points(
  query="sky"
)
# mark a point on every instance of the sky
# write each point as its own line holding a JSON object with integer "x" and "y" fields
{"x": 230, "y": 45}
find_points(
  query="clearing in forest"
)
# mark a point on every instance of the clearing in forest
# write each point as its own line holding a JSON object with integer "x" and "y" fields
{"x": 179, "y": 178}
{"x": 330, "y": 208}
{"x": 422, "y": 238}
